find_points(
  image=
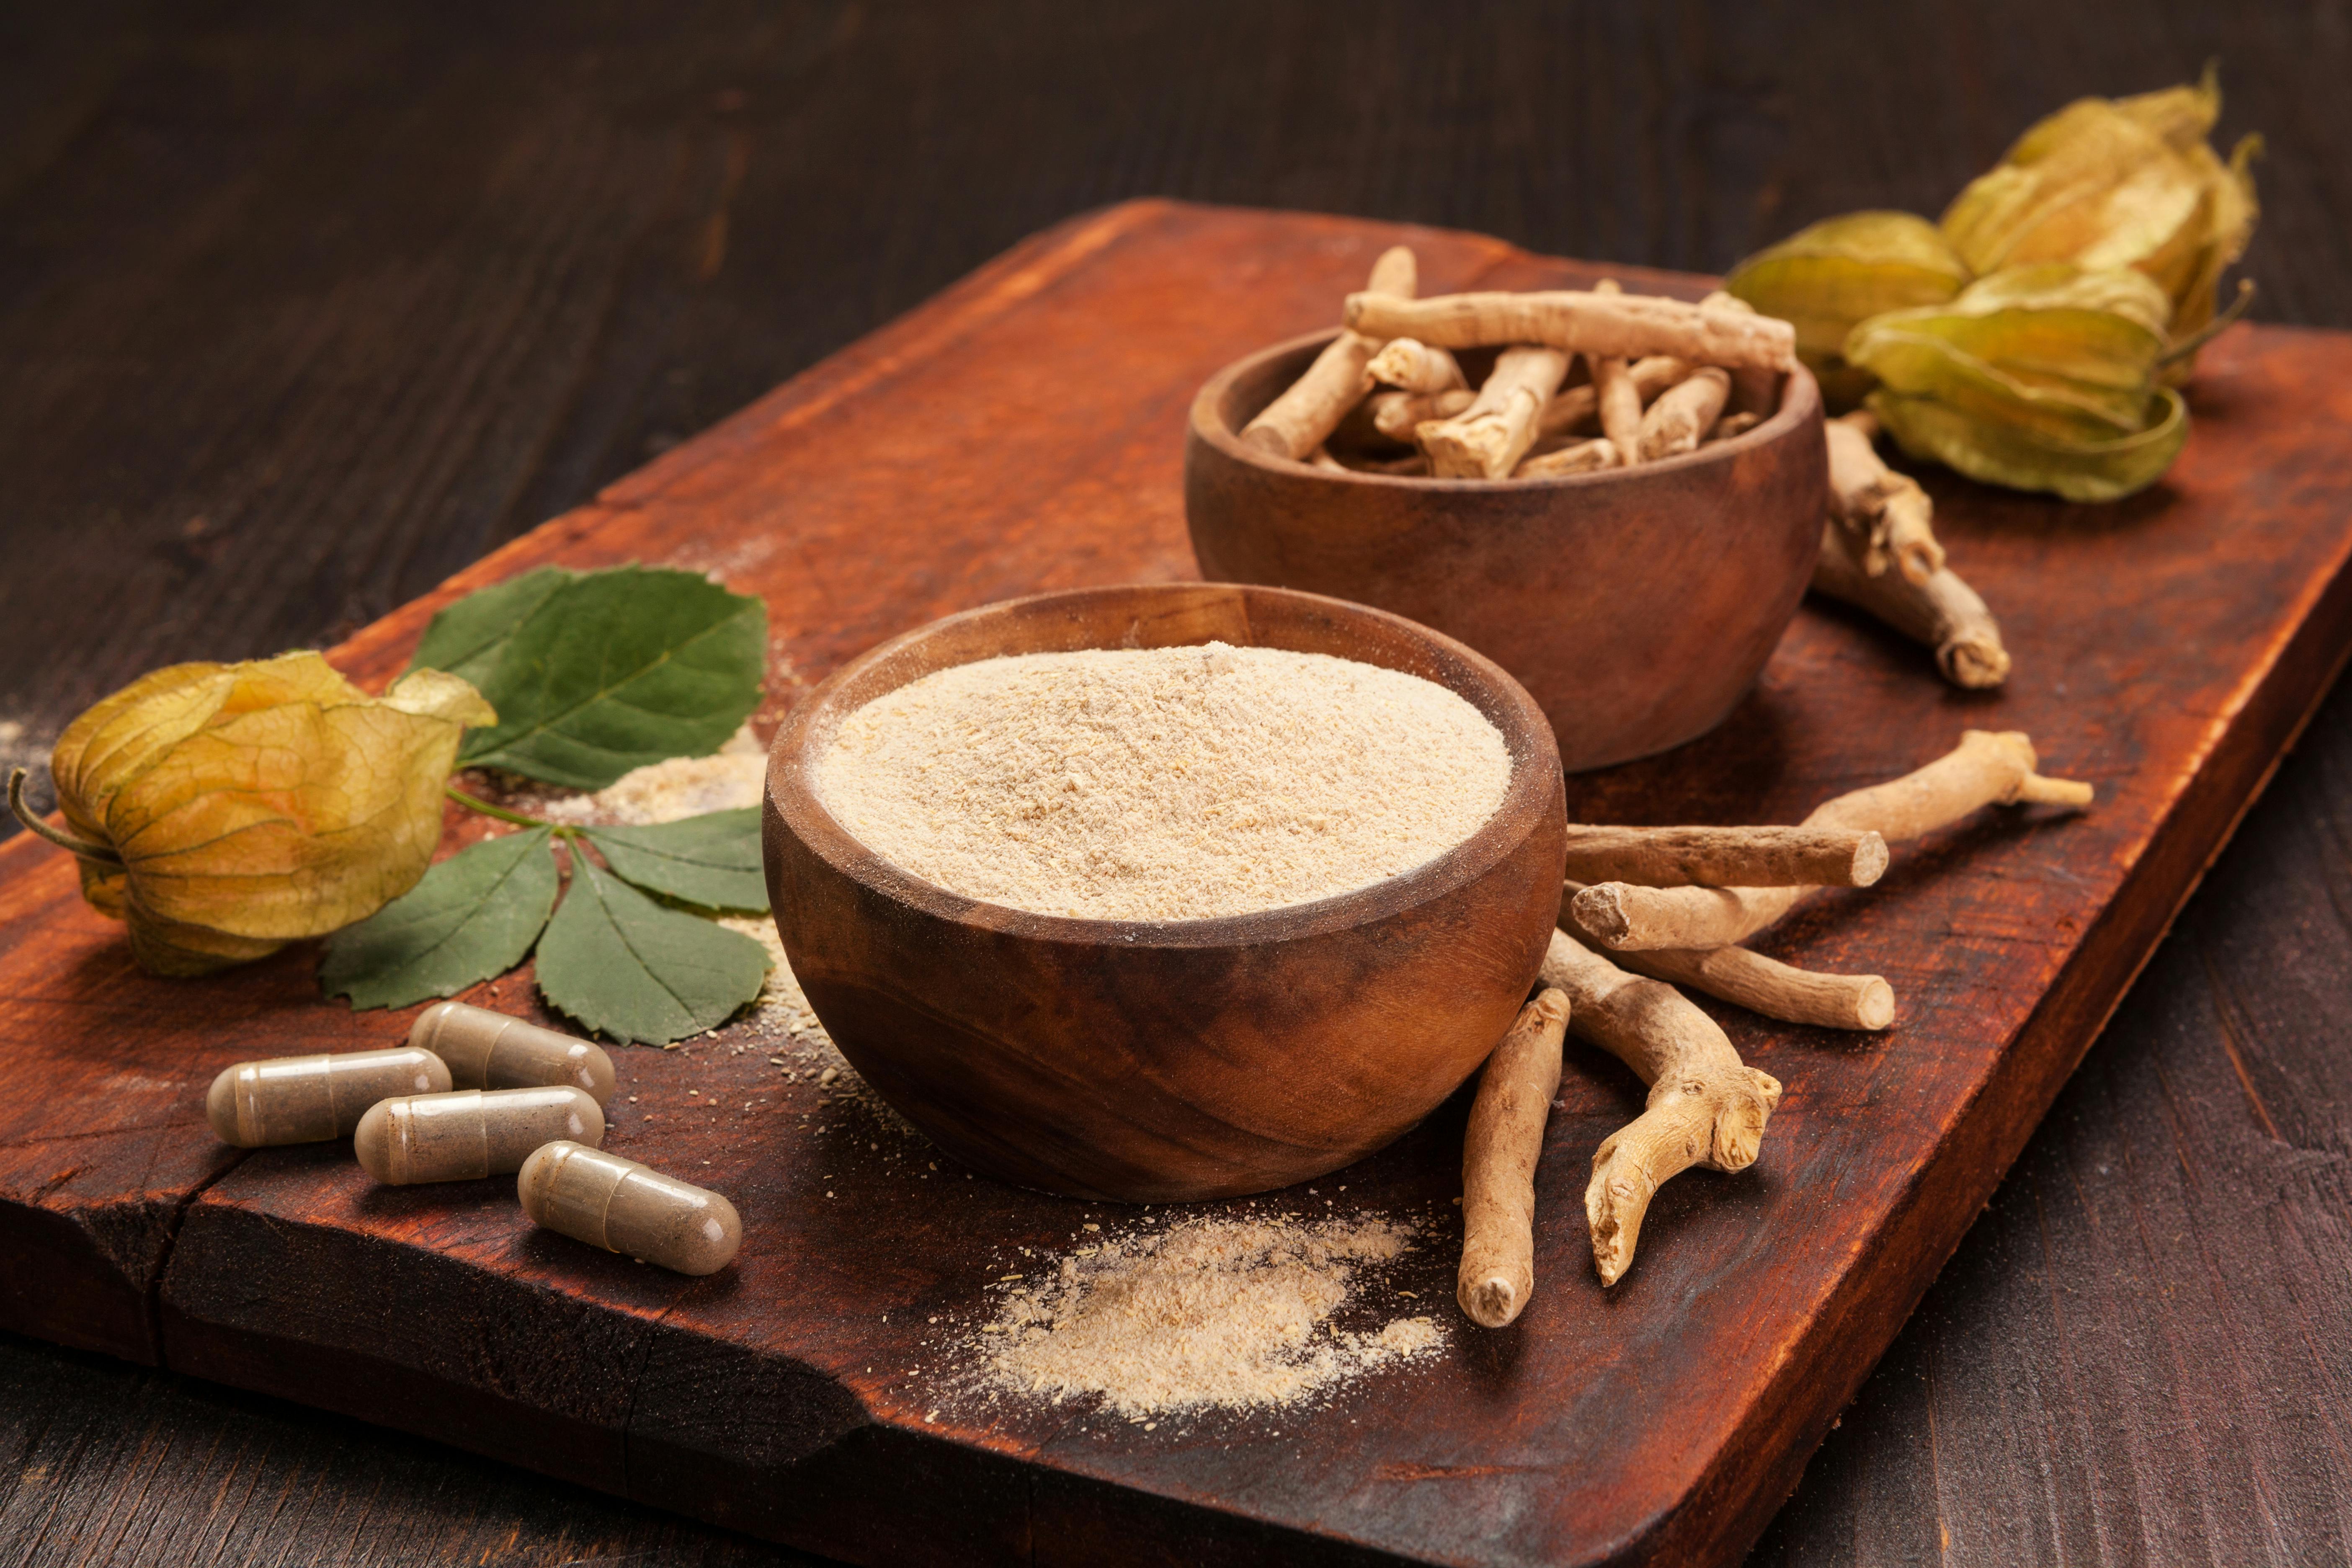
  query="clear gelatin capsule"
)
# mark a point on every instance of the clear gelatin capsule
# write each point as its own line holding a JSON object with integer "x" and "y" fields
{"x": 308, "y": 1099}
{"x": 622, "y": 1207}
{"x": 491, "y": 1050}
{"x": 471, "y": 1134}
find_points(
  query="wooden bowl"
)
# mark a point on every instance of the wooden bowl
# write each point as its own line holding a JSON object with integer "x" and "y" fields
{"x": 1155, "y": 1061}
{"x": 1637, "y": 605}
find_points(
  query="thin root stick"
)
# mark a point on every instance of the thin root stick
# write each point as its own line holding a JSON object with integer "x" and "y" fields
{"x": 1985, "y": 769}
{"x": 1705, "y": 1106}
{"x": 1941, "y": 611}
{"x": 1303, "y": 418}
{"x": 1620, "y": 326}
{"x": 1499, "y": 1150}
{"x": 1726, "y": 857}
{"x": 1775, "y": 990}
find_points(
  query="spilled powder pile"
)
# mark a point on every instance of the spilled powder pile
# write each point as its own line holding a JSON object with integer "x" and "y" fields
{"x": 663, "y": 792}
{"x": 1164, "y": 783}
{"x": 1210, "y": 1312}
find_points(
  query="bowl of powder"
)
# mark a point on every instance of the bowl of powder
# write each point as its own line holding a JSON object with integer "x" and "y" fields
{"x": 1638, "y": 604}
{"x": 1166, "y": 893}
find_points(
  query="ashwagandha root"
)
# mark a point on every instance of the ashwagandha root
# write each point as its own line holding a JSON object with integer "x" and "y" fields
{"x": 1487, "y": 440}
{"x": 1985, "y": 769}
{"x": 1321, "y": 458}
{"x": 1705, "y": 1106}
{"x": 1303, "y": 418}
{"x": 1775, "y": 990}
{"x": 1680, "y": 419}
{"x": 1732, "y": 425}
{"x": 1616, "y": 400}
{"x": 1499, "y": 1152}
{"x": 1891, "y": 520}
{"x": 1411, "y": 366}
{"x": 1396, "y": 415}
{"x": 1941, "y": 611}
{"x": 1726, "y": 857}
{"x": 1755, "y": 391}
{"x": 1619, "y": 326}
{"x": 1584, "y": 457}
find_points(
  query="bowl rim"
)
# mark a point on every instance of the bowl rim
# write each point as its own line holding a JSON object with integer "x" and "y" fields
{"x": 1536, "y": 781}
{"x": 1797, "y": 404}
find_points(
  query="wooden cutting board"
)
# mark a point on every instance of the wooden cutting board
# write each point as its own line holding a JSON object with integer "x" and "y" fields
{"x": 1023, "y": 432}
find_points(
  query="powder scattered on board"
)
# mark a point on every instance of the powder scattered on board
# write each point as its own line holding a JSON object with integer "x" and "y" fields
{"x": 1209, "y": 1313}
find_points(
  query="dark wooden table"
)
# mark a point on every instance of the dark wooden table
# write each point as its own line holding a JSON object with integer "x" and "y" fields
{"x": 301, "y": 307}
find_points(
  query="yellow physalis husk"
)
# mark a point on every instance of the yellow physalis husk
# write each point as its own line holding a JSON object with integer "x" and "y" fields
{"x": 2023, "y": 459}
{"x": 2040, "y": 377}
{"x": 1825, "y": 278}
{"x": 251, "y": 805}
{"x": 2120, "y": 182}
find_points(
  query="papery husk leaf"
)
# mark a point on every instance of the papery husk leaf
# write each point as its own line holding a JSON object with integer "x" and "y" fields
{"x": 1825, "y": 278}
{"x": 2008, "y": 454}
{"x": 254, "y": 804}
{"x": 2070, "y": 354}
{"x": 2122, "y": 183}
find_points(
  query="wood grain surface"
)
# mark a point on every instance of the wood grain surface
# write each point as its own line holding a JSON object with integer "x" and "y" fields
{"x": 304, "y": 309}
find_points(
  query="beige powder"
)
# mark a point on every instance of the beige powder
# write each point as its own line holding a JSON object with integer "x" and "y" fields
{"x": 1167, "y": 783}
{"x": 1231, "y": 1314}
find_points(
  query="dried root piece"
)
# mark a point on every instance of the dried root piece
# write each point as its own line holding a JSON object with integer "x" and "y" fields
{"x": 1754, "y": 392}
{"x": 1619, "y": 326}
{"x": 1303, "y": 418}
{"x": 1499, "y": 1152}
{"x": 1396, "y": 415}
{"x": 1941, "y": 611}
{"x": 1726, "y": 857}
{"x": 1679, "y": 420}
{"x": 1321, "y": 458}
{"x": 1766, "y": 986}
{"x": 1584, "y": 457}
{"x": 1985, "y": 769}
{"x": 1706, "y": 1108}
{"x": 1487, "y": 440}
{"x": 1890, "y": 519}
{"x": 1732, "y": 425}
{"x": 1616, "y": 400}
{"x": 1411, "y": 366}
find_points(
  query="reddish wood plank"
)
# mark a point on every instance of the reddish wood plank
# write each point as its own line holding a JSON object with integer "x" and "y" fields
{"x": 2166, "y": 649}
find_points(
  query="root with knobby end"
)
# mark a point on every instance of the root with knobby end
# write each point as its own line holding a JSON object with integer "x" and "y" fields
{"x": 1499, "y": 1150}
{"x": 1304, "y": 417}
{"x": 1677, "y": 422}
{"x": 1887, "y": 517}
{"x": 1985, "y": 769}
{"x": 1487, "y": 440}
{"x": 1775, "y": 990}
{"x": 1732, "y": 425}
{"x": 1411, "y": 366}
{"x": 1619, "y": 326}
{"x": 1942, "y": 611}
{"x": 1726, "y": 856}
{"x": 1755, "y": 393}
{"x": 1396, "y": 415}
{"x": 1705, "y": 1106}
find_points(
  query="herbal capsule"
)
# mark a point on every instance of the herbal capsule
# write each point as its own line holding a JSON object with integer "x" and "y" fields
{"x": 491, "y": 1050}
{"x": 459, "y": 1137}
{"x": 307, "y": 1100}
{"x": 622, "y": 1207}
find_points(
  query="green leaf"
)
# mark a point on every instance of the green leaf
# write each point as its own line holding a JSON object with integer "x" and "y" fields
{"x": 617, "y": 669}
{"x": 472, "y": 917}
{"x": 467, "y": 637}
{"x": 712, "y": 859}
{"x": 629, "y": 969}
